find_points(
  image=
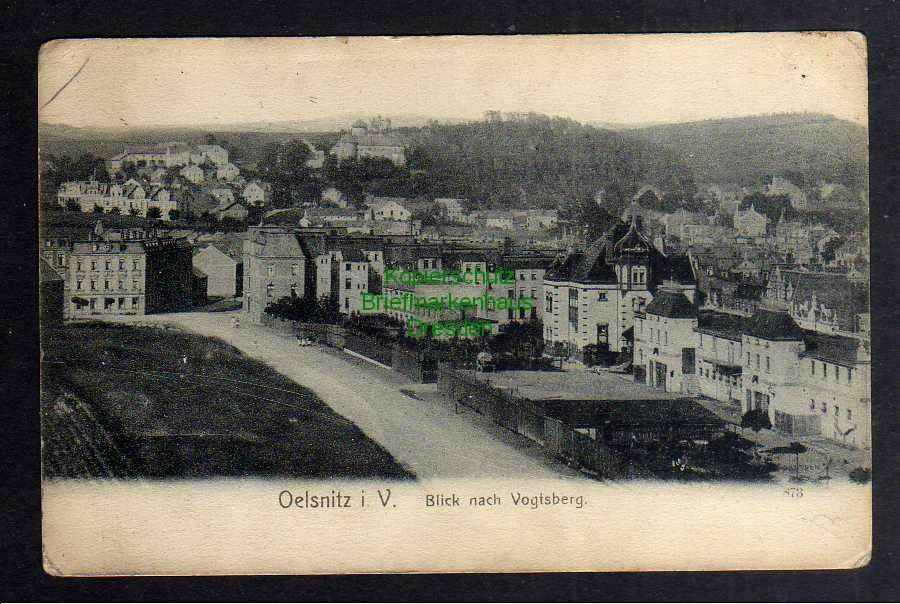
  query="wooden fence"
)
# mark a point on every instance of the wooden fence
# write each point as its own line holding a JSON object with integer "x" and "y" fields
{"x": 527, "y": 418}
{"x": 418, "y": 366}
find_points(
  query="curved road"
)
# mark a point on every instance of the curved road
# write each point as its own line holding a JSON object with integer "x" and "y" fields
{"x": 427, "y": 436}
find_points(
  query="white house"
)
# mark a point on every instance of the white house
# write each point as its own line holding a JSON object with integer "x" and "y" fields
{"x": 193, "y": 173}
{"x": 496, "y": 219}
{"x": 750, "y": 223}
{"x": 388, "y": 208}
{"x": 255, "y": 193}
{"x": 227, "y": 172}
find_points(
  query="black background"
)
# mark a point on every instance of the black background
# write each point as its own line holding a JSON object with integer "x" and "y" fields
{"x": 27, "y": 24}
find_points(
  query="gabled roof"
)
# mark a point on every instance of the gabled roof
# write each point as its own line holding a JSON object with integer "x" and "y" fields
{"x": 673, "y": 305}
{"x": 774, "y": 325}
{"x": 723, "y": 325}
{"x": 839, "y": 350}
{"x": 47, "y": 273}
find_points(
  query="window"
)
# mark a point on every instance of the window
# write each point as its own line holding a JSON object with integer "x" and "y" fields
{"x": 270, "y": 290}
{"x": 270, "y": 270}
{"x": 134, "y": 265}
{"x": 812, "y": 404}
{"x": 93, "y": 285}
{"x": 135, "y": 284}
{"x": 849, "y": 376}
{"x": 601, "y": 297}
{"x": 836, "y": 410}
{"x": 78, "y": 266}
{"x": 824, "y": 408}
{"x": 812, "y": 367}
{"x": 666, "y": 338}
{"x": 93, "y": 265}
{"x": 533, "y": 276}
{"x": 121, "y": 264}
{"x": 534, "y": 293}
{"x": 106, "y": 264}
{"x": 106, "y": 285}
{"x": 295, "y": 269}
{"x": 135, "y": 302}
{"x": 78, "y": 284}
{"x": 768, "y": 365}
{"x": 849, "y": 415}
{"x": 121, "y": 284}
{"x": 347, "y": 266}
{"x": 347, "y": 283}
{"x": 757, "y": 360}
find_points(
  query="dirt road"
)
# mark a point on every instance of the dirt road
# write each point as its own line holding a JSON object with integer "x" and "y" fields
{"x": 427, "y": 436}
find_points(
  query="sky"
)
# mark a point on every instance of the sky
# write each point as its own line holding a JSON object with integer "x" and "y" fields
{"x": 627, "y": 79}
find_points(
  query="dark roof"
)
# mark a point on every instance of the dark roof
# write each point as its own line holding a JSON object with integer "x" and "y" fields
{"x": 724, "y": 325}
{"x": 631, "y": 413}
{"x": 839, "y": 350}
{"x": 673, "y": 305}
{"x": 773, "y": 325}
{"x": 47, "y": 272}
{"x": 834, "y": 290}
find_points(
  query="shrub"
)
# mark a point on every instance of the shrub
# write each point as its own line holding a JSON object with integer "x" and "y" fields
{"x": 861, "y": 475}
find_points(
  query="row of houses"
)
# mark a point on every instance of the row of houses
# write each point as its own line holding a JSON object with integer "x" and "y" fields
{"x": 807, "y": 382}
{"x": 129, "y": 198}
{"x": 169, "y": 155}
{"x": 281, "y": 262}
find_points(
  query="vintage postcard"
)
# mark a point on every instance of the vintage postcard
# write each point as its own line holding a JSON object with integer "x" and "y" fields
{"x": 455, "y": 304}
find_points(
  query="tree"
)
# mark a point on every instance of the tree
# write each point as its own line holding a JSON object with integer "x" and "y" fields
{"x": 154, "y": 212}
{"x": 756, "y": 420}
{"x": 174, "y": 214}
{"x": 115, "y": 211}
{"x": 73, "y": 206}
{"x": 284, "y": 167}
{"x": 98, "y": 209}
{"x": 133, "y": 211}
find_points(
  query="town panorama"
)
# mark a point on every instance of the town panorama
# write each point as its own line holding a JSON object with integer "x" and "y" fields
{"x": 674, "y": 301}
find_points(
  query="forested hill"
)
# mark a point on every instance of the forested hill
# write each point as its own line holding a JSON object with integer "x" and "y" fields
{"x": 807, "y": 148}
{"x": 537, "y": 161}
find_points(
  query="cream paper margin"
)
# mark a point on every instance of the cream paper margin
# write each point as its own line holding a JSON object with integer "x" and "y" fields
{"x": 222, "y": 527}
{"x": 237, "y": 527}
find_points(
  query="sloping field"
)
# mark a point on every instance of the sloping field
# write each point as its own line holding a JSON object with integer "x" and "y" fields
{"x": 120, "y": 401}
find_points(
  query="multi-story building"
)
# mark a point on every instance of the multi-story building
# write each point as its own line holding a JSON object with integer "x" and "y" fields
{"x": 168, "y": 155}
{"x": 664, "y": 350}
{"x": 592, "y": 297}
{"x": 496, "y": 219}
{"x": 374, "y": 140}
{"x": 810, "y": 384}
{"x": 128, "y": 276}
{"x": 750, "y": 223}
{"x": 275, "y": 266}
{"x": 454, "y": 210}
{"x": 828, "y": 303}
{"x": 387, "y": 208}
{"x": 128, "y": 198}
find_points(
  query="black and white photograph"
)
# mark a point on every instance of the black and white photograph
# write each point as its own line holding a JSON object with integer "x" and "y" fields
{"x": 455, "y": 304}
